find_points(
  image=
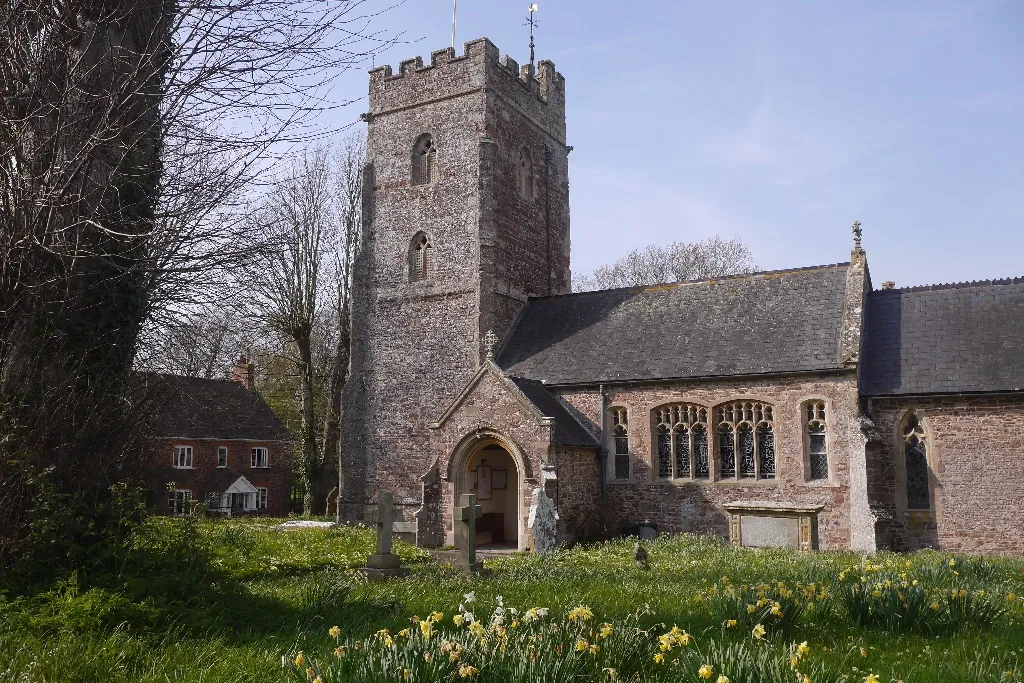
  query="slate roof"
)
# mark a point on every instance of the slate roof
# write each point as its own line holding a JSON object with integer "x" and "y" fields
{"x": 194, "y": 408}
{"x": 772, "y": 322}
{"x": 568, "y": 431}
{"x": 960, "y": 338}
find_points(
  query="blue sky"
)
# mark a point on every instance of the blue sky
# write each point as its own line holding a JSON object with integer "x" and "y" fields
{"x": 779, "y": 122}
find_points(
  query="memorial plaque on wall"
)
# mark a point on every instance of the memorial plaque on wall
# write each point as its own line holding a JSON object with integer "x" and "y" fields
{"x": 485, "y": 482}
{"x": 770, "y": 532}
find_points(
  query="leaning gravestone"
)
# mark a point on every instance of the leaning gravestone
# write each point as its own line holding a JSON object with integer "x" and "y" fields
{"x": 543, "y": 522}
{"x": 384, "y": 564}
{"x": 465, "y": 529}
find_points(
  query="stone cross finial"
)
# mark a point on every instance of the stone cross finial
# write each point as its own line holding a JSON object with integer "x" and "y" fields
{"x": 466, "y": 516}
{"x": 857, "y": 234}
{"x": 490, "y": 341}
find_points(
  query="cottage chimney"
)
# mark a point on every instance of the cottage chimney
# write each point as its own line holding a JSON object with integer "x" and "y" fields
{"x": 243, "y": 372}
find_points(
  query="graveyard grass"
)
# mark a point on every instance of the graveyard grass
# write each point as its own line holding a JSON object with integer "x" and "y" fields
{"x": 224, "y": 601}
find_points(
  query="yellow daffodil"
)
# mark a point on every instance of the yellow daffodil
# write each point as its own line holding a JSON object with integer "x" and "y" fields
{"x": 803, "y": 649}
{"x": 436, "y": 616}
{"x": 730, "y": 623}
{"x": 300, "y": 659}
{"x": 427, "y": 657}
{"x": 581, "y": 613}
{"x": 581, "y": 645}
{"x": 465, "y": 671}
{"x": 758, "y": 632}
{"x": 458, "y": 619}
{"x": 334, "y": 632}
{"x": 704, "y": 671}
{"x": 722, "y": 679}
{"x": 751, "y": 609}
{"x": 871, "y": 678}
{"x": 659, "y": 658}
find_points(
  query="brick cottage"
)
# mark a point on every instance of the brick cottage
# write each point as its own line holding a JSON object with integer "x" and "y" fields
{"x": 220, "y": 445}
{"x": 800, "y": 407}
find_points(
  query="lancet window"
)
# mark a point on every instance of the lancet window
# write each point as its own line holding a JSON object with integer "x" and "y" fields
{"x": 682, "y": 437}
{"x": 620, "y": 431}
{"x": 424, "y": 160}
{"x": 915, "y": 449}
{"x": 525, "y": 174}
{"x": 421, "y": 258}
{"x": 817, "y": 441}
{"x": 746, "y": 440}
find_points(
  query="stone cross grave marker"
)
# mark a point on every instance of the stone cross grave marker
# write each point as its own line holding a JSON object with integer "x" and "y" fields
{"x": 384, "y": 563}
{"x": 466, "y": 516}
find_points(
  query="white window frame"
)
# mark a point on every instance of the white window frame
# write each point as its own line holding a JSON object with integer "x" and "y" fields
{"x": 261, "y": 497}
{"x": 182, "y": 455}
{"x": 222, "y": 450}
{"x": 255, "y": 460}
{"x": 180, "y": 502}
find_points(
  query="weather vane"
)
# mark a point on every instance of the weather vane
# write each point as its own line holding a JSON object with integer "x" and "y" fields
{"x": 532, "y": 24}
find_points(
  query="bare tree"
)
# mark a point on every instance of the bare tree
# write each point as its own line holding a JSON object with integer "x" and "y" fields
{"x": 296, "y": 219}
{"x": 133, "y": 134}
{"x": 348, "y": 175}
{"x": 676, "y": 262}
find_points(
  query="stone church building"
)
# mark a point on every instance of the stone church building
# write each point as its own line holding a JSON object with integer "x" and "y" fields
{"x": 798, "y": 407}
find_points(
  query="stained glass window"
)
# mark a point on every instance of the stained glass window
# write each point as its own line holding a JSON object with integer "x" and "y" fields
{"x": 746, "y": 440}
{"x": 745, "y": 443}
{"x": 727, "y": 450}
{"x": 621, "y": 432}
{"x": 817, "y": 442}
{"x": 682, "y": 453}
{"x": 676, "y": 425}
{"x": 701, "y": 463}
{"x": 664, "y": 452}
{"x": 766, "y": 450}
{"x": 918, "y": 495}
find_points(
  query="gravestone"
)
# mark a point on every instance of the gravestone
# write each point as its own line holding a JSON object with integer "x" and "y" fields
{"x": 543, "y": 522}
{"x": 465, "y": 533}
{"x": 384, "y": 564}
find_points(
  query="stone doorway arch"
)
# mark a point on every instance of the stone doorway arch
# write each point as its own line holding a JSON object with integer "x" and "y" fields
{"x": 491, "y": 455}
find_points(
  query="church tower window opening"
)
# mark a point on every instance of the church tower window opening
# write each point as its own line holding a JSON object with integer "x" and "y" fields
{"x": 421, "y": 258}
{"x": 817, "y": 442}
{"x": 424, "y": 160}
{"x": 525, "y": 174}
{"x": 746, "y": 440}
{"x": 916, "y": 451}
{"x": 682, "y": 441}
{"x": 620, "y": 431}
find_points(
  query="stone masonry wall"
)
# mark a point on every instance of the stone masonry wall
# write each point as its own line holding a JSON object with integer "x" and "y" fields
{"x": 277, "y": 478}
{"x": 693, "y": 506}
{"x": 416, "y": 344}
{"x": 975, "y": 449}
{"x": 577, "y": 494}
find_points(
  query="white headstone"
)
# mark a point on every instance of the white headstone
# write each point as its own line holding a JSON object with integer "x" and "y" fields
{"x": 543, "y": 522}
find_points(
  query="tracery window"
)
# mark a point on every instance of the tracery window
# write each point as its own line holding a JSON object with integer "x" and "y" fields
{"x": 421, "y": 258}
{"x": 424, "y": 160}
{"x": 916, "y": 451}
{"x": 817, "y": 441}
{"x": 525, "y": 174}
{"x": 746, "y": 440}
{"x": 682, "y": 437}
{"x": 620, "y": 431}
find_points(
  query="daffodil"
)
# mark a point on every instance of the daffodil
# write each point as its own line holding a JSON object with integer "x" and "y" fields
{"x": 758, "y": 632}
{"x": 704, "y": 671}
{"x": 803, "y": 649}
{"x": 730, "y": 623}
{"x": 465, "y": 671}
{"x": 334, "y": 632}
{"x": 581, "y": 645}
{"x": 659, "y": 658}
{"x": 300, "y": 659}
{"x": 871, "y": 678}
{"x": 722, "y": 679}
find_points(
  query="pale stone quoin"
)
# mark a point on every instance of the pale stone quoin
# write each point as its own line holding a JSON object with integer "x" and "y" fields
{"x": 803, "y": 404}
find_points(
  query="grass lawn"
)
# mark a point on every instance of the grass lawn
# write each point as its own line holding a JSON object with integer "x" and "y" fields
{"x": 237, "y": 600}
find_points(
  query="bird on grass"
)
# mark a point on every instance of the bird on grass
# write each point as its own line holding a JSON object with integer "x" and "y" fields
{"x": 640, "y": 555}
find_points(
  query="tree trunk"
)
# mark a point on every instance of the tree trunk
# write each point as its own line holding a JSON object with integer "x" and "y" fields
{"x": 308, "y": 463}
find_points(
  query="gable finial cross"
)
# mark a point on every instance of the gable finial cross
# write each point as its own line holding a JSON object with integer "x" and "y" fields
{"x": 857, "y": 234}
{"x": 490, "y": 341}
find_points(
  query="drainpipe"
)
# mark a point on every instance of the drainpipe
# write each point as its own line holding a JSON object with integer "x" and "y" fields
{"x": 602, "y": 451}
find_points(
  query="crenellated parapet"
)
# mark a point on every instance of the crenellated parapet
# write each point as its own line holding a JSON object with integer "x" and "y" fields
{"x": 480, "y": 67}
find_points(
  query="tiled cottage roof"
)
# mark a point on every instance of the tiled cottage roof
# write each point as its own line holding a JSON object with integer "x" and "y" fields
{"x": 568, "y": 431}
{"x": 773, "y": 322}
{"x": 194, "y": 408}
{"x": 957, "y": 338}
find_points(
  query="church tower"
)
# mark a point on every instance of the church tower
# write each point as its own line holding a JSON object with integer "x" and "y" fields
{"x": 466, "y": 215}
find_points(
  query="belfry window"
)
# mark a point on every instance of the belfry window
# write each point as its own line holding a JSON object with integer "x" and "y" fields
{"x": 746, "y": 440}
{"x": 525, "y": 174}
{"x": 620, "y": 431}
{"x": 916, "y": 451}
{"x": 424, "y": 160}
{"x": 682, "y": 438}
{"x": 421, "y": 258}
{"x": 817, "y": 442}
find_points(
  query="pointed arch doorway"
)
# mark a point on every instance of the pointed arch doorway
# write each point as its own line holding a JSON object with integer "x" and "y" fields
{"x": 492, "y": 471}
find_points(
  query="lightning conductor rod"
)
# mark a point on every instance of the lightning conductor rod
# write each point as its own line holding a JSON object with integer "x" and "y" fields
{"x": 455, "y": 11}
